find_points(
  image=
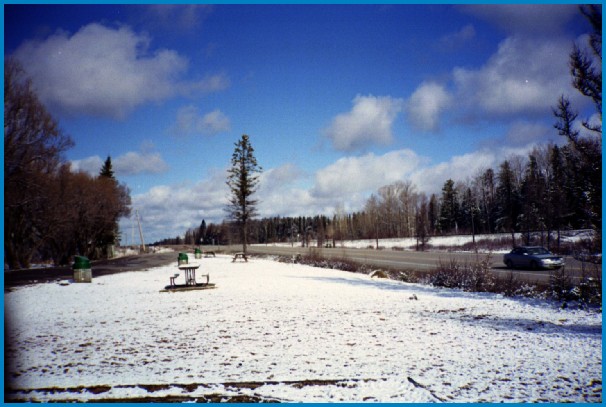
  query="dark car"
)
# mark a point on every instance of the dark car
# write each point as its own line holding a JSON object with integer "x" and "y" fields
{"x": 532, "y": 257}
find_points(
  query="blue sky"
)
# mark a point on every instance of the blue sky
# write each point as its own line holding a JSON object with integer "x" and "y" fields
{"x": 338, "y": 100}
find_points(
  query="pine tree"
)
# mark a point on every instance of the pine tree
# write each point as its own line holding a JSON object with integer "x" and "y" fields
{"x": 434, "y": 214}
{"x": 449, "y": 211}
{"x": 243, "y": 180}
{"x": 202, "y": 232}
{"x": 586, "y": 152}
{"x": 422, "y": 224}
{"x": 586, "y": 68}
{"x": 558, "y": 201}
{"x": 107, "y": 170}
{"x": 508, "y": 200}
{"x": 533, "y": 203}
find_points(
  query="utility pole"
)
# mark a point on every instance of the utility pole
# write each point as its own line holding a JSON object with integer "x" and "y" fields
{"x": 140, "y": 231}
{"x": 132, "y": 233}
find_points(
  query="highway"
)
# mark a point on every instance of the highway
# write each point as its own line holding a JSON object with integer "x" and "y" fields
{"x": 420, "y": 261}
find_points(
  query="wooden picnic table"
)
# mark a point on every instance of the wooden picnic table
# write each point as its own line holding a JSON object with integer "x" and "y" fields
{"x": 240, "y": 255}
{"x": 190, "y": 273}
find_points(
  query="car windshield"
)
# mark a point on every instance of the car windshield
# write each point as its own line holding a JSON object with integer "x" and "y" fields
{"x": 537, "y": 250}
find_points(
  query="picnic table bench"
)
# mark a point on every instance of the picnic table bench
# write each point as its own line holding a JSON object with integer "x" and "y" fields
{"x": 240, "y": 255}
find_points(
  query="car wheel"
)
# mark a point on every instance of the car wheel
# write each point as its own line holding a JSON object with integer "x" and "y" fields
{"x": 509, "y": 264}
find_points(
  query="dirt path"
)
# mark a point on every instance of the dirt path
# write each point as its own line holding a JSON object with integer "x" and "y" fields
{"x": 99, "y": 268}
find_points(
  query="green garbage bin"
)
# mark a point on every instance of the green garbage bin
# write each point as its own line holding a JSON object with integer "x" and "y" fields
{"x": 182, "y": 259}
{"x": 82, "y": 270}
{"x": 198, "y": 253}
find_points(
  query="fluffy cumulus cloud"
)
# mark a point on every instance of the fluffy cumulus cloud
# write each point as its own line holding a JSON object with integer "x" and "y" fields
{"x": 275, "y": 179}
{"x": 131, "y": 163}
{"x": 524, "y": 76}
{"x": 430, "y": 179}
{"x": 169, "y": 210}
{"x": 91, "y": 165}
{"x": 280, "y": 194}
{"x": 106, "y": 71}
{"x": 352, "y": 176}
{"x": 424, "y": 106}
{"x": 191, "y": 122}
{"x": 369, "y": 122}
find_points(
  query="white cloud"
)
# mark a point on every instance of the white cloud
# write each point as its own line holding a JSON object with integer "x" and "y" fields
{"x": 523, "y": 133}
{"x": 291, "y": 201}
{"x": 106, "y": 71}
{"x": 131, "y": 163}
{"x": 190, "y": 122}
{"x": 431, "y": 179}
{"x": 369, "y": 122}
{"x": 458, "y": 38}
{"x": 525, "y": 76}
{"x": 352, "y": 176}
{"x": 208, "y": 84}
{"x": 169, "y": 210}
{"x": 274, "y": 179}
{"x": 91, "y": 165}
{"x": 279, "y": 194}
{"x": 178, "y": 16}
{"x": 425, "y": 105}
{"x": 546, "y": 19}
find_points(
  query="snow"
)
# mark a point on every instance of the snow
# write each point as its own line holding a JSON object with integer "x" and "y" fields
{"x": 298, "y": 334}
{"x": 454, "y": 241}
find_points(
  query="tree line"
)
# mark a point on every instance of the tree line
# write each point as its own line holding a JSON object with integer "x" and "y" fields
{"x": 50, "y": 212}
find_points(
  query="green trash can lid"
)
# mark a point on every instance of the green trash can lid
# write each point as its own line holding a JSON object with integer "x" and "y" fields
{"x": 182, "y": 256}
{"x": 197, "y": 251}
{"x": 81, "y": 262}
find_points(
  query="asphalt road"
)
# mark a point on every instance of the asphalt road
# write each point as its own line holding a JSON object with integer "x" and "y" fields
{"x": 388, "y": 259}
{"x": 99, "y": 268}
{"x": 410, "y": 260}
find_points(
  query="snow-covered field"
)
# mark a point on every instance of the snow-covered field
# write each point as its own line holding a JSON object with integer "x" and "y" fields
{"x": 410, "y": 243}
{"x": 289, "y": 332}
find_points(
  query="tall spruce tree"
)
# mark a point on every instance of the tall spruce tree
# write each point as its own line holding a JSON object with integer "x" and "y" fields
{"x": 449, "y": 210}
{"x": 508, "y": 200}
{"x": 243, "y": 180}
{"x": 107, "y": 169}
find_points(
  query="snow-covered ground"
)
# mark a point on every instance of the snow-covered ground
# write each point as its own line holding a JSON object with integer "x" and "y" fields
{"x": 454, "y": 241}
{"x": 294, "y": 333}
{"x": 130, "y": 250}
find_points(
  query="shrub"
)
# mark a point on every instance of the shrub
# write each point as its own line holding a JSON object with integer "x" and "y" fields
{"x": 560, "y": 285}
{"x": 588, "y": 291}
{"x": 475, "y": 276}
